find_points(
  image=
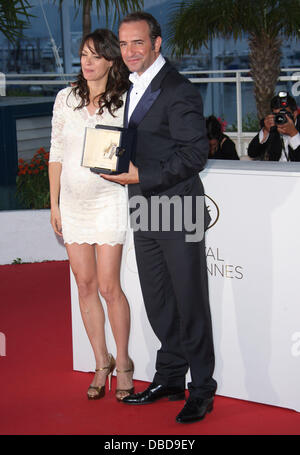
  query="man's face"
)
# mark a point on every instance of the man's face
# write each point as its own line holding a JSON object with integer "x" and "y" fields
{"x": 136, "y": 47}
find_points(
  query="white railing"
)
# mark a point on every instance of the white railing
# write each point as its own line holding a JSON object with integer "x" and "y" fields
{"x": 238, "y": 79}
{"x": 217, "y": 76}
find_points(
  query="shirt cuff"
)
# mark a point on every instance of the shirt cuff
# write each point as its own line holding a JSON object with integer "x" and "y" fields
{"x": 294, "y": 141}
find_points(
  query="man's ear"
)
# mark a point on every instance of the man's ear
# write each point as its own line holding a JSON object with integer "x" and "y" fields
{"x": 157, "y": 44}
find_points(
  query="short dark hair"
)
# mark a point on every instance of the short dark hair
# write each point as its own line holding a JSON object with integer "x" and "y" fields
{"x": 155, "y": 29}
{"x": 291, "y": 103}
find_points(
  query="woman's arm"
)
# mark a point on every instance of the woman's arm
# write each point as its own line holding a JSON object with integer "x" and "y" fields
{"x": 56, "y": 159}
{"x": 54, "y": 181}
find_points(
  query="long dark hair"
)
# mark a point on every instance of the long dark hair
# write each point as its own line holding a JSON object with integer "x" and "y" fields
{"x": 106, "y": 45}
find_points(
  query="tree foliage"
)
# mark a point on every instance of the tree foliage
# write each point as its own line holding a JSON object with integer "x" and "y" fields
{"x": 266, "y": 22}
{"x": 14, "y": 17}
{"x": 118, "y": 7}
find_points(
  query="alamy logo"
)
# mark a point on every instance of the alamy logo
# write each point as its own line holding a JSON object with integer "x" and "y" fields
{"x": 2, "y": 84}
{"x": 296, "y": 344}
{"x": 2, "y": 345}
{"x": 163, "y": 213}
{"x": 296, "y": 85}
{"x": 213, "y": 211}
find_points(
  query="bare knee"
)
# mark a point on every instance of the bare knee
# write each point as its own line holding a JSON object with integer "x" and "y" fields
{"x": 86, "y": 287}
{"x": 110, "y": 292}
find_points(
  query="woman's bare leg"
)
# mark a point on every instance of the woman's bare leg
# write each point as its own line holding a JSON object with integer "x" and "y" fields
{"x": 108, "y": 265}
{"x": 83, "y": 263}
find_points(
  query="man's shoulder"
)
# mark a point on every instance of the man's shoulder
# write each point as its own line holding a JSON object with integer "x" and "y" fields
{"x": 173, "y": 80}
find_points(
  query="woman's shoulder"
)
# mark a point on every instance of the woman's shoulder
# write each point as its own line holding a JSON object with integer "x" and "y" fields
{"x": 62, "y": 95}
{"x": 67, "y": 97}
{"x": 227, "y": 140}
{"x": 228, "y": 148}
{"x": 225, "y": 136}
{"x": 64, "y": 92}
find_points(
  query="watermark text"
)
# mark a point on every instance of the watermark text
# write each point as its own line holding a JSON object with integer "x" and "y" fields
{"x": 296, "y": 85}
{"x": 296, "y": 344}
{"x": 163, "y": 214}
{"x": 2, "y": 84}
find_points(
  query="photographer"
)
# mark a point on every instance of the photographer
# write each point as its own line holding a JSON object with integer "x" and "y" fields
{"x": 279, "y": 138}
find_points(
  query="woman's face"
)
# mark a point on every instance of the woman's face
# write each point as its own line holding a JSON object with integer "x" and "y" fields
{"x": 94, "y": 67}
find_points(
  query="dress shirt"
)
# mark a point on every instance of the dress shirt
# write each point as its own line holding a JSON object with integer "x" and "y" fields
{"x": 293, "y": 142}
{"x": 140, "y": 83}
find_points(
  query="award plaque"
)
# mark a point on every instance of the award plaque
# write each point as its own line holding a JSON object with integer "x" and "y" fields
{"x": 107, "y": 149}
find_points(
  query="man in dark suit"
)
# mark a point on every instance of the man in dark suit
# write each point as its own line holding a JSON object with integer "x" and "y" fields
{"x": 171, "y": 149}
{"x": 278, "y": 142}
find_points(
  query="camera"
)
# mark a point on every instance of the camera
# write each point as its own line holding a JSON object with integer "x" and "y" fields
{"x": 281, "y": 117}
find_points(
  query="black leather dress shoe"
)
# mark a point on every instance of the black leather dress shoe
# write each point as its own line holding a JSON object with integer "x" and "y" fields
{"x": 155, "y": 392}
{"x": 195, "y": 409}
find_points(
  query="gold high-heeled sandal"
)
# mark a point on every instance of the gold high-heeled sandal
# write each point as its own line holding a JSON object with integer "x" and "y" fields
{"x": 100, "y": 391}
{"x": 122, "y": 393}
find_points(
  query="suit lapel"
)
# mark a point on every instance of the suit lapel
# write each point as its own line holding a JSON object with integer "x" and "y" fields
{"x": 125, "y": 118}
{"x": 143, "y": 106}
{"x": 148, "y": 98}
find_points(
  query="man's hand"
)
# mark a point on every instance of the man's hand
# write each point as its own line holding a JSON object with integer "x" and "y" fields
{"x": 269, "y": 122}
{"x": 127, "y": 178}
{"x": 288, "y": 128}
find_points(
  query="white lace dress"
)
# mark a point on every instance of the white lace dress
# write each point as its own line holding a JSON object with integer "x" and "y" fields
{"x": 93, "y": 210}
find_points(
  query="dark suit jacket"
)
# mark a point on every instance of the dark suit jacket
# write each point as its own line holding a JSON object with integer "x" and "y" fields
{"x": 171, "y": 142}
{"x": 271, "y": 149}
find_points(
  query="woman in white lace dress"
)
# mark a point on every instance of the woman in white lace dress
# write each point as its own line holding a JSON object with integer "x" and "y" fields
{"x": 90, "y": 212}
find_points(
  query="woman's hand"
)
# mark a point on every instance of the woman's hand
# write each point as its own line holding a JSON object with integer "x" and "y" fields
{"x": 56, "y": 220}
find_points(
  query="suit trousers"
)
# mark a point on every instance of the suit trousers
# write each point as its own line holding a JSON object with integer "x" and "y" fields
{"x": 173, "y": 277}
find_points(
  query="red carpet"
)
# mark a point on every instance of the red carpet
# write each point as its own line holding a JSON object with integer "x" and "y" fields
{"x": 41, "y": 395}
